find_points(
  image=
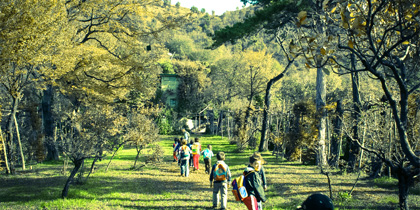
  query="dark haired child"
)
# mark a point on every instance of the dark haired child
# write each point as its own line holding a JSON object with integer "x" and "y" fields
{"x": 219, "y": 179}
{"x": 253, "y": 184}
{"x": 207, "y": 154}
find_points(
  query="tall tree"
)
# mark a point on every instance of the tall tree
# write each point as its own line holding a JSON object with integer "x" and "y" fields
{"x": 31, "y": 40}
{"x": 384, "y": 37}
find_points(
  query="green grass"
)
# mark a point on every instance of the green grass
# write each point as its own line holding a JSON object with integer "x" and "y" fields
{"x": 159, "y": 186}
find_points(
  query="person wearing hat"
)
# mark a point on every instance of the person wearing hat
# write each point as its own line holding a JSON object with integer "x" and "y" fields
{"x": 317, "y": 201}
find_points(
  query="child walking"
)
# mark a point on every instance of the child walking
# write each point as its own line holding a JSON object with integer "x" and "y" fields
{"x": 219, "y": 180}
{"x": 196, "y": 151}
{"x": 207, "y": 154}
{"x": 175, "y": 145}
{"x": 184, "y": 156}
{"x": 253, "y": 184}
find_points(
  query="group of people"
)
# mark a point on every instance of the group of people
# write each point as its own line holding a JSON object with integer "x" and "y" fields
{"x": 255, "y": 182}
{"x": 187, "y": 153}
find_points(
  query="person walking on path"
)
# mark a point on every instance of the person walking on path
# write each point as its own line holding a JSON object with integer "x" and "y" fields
{"x": 184, "y": 156}
{"x": 196, "y": 151}
{"x": 253, "y": 184}
{"x": 219, "y": 179}
{"x": 261, "y": 172}
{"x": 176, "y": 147}
{"x": 185, "y": 134}
{"x": 207, "y": 154}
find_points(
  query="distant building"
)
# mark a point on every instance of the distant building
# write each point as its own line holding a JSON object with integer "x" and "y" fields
{"x": 169, "y": 86}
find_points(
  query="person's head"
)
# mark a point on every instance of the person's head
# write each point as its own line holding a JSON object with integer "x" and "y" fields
{"x": 220, "y": 156}
{"x": 191, "y": 142}
{"x": 259, "y": 155}
{"x": 176, "y": 140}
{"x": 256, "y": 162}
{"x": 317, "y": 201}
{"x": 209, "y": 146}
{"x": 181, "y": 138}
{"x": 183, "y": 130}
{"x": 184, "y": 142}
{"x": 196, "y": 139}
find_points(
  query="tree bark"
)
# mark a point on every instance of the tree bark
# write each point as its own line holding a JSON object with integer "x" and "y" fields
{"x": 19, "y": 142}
{"x": 6, "y": 161}
{"x": 353, "y": 146}
{"x": 321, "y": 92}
{"x": 403, "y": 187}
{"x": 77, "y": 164}
{"x": 336, "y": 137}
{"x": 48, "y": 123}
{"x": 9, "y": 135}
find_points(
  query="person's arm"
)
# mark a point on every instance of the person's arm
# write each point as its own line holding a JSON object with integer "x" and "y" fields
{"x": 259, "y": 191}
{"x": 263, "y": 179}
{"x": 229, "y": 176}
{"x": 211, "y": 175}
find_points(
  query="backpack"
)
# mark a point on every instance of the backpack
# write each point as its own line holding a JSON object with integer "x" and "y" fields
{"x": 194, "y": 149}
{"x": 238, "y": 187}
{"x": 220, "y": 172}
{"x": 206, "y": 154}
{"x": 185, "y": 152}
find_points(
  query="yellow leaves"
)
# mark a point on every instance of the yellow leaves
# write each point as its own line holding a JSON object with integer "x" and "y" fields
{"x": 301, "y": 18}
{"x": 333, "y": 9}
{"x": 351, "y": 44}
{"x": 406, "y": 43}
{"x": 323, "y": 51}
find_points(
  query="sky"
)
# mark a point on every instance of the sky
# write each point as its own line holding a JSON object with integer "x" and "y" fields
{"x": 219, "y": 6}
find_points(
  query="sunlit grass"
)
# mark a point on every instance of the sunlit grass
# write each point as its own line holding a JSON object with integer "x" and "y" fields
{"x": 159, "y": 186}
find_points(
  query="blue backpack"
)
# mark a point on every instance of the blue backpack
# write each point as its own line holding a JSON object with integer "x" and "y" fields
{"x": 206, "y": 154}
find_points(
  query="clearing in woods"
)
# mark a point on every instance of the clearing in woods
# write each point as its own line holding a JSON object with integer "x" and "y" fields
{"x": 160, "y": 186}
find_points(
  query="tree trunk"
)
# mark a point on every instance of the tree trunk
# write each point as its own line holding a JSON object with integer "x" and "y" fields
{"x": 9, "y": 135}
{"x": 336, "y": 137}
{"x": 267, "y": 101}
{"x": 321, "y": 92}
{"x": 353, "y": 146}
{"x": 137, "y": 157}
{"x": 265, "y": 122}
{"x": 19, "y": 142}
{"x": 77, "y": 164}
{"x": 403, "y": 187}
{"x": 4, "y": 152}
{"x": 92, "y": 167}
{"x": 112, "y": 157}
{"x": 210, "y": 115}
{"x": 48, "y": 123}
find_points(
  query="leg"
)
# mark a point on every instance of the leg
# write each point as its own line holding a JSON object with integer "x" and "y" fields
{"x": 216, "y": 189}
{"x": 207, "y": 163}
{"x": 260, "y": 205}
{"x": 187, "y": 170}
{"x": 183, "y": 167}
{"x": 223, "y": 192}
{"x": 196, "y": 158}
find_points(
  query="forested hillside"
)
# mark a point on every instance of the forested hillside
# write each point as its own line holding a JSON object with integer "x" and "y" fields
{"x": 327, "y": 83}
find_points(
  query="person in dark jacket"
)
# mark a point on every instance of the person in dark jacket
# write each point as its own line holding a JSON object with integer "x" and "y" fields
{"x": 253, "y": 184}
{"x": 317, "y": 201}
{"x": 261, "y": 171}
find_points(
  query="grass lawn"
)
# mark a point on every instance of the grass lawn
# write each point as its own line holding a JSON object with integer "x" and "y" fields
{"x": 160, "y": 186}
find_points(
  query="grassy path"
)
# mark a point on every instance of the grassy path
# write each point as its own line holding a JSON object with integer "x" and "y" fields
{"x": 160, "y": 186}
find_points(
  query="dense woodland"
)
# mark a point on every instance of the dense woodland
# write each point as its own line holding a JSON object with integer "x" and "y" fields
{"x": 333, "y": 83}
